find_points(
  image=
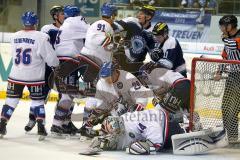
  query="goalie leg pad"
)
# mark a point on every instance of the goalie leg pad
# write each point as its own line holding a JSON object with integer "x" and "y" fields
{"x": 199, "y": 142}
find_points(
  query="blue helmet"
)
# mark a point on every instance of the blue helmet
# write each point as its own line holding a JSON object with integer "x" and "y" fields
{"x": 29, "y": 18}
{"x": 71, "y": 11}
{"x": 106, "y": 69}
{"x": 108, "y": 9}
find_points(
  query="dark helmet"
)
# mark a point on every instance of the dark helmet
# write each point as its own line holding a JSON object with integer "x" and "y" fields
{"x": 160, "y": 28}
{"x": 55, "y": 10}
{"x": 148, "y": 10}
{"x": 228, "y": 19}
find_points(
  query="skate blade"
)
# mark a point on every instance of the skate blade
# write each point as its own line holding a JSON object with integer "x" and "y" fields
{"x": 42, "y": 138}
{"x": 1, "y": 136}
{"x": 31, "y": 133}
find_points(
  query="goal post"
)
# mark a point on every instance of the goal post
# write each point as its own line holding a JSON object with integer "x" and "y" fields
{"x": 215, "y": 102}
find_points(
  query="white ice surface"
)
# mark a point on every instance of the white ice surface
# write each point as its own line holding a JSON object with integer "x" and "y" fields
{"x": 16, "y": 145}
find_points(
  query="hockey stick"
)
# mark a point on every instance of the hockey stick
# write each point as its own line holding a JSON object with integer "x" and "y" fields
{"x": 91, "y": 152}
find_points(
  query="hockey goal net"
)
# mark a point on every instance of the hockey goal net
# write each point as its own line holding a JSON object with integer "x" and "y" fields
{"x": 215, "y": 102}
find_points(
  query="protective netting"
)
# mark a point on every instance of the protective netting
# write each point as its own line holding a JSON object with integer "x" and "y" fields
{"x": 217, "y": 102}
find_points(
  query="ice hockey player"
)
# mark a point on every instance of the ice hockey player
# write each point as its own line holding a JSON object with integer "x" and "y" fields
{"x": 57, "y": 14}
{"x": 150, "y": 131}
{"x": 137, "y": 40}
{"x": 134, "y": 44}
{"x": 30, "y": 50}
{"x": 171, "y": 89}
{"x": 97, "y": 47}
{"x": 167, "y": 50}
{"x": 99, "y": 36}
{"x": 117, "y": 92}
{"x": 70, "y": 40}
{"x": 145, "y": 15}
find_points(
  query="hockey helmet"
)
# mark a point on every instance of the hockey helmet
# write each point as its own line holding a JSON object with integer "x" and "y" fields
{"x": 228, "y": 19}
{"x": 111, "y": 125}
{"x": 108, "y": 10}
{"x": 160, "y": 28}
{"x": 55, "y": 10}
{"x": 29, "y": 18}
{"x": 107, "y": 69}
{"x": 71, "y": 11}
{"x": 148, "y": 10}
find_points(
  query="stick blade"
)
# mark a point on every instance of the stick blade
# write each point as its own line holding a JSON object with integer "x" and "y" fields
{"x": 90, "y": 152}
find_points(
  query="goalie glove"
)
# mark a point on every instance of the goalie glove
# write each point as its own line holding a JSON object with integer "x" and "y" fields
{"x": 141, "y": 148}
{"x": 105, "y": 142}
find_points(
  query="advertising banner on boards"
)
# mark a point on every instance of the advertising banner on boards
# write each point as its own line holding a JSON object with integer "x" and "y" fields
{"x": 186, "y": 26}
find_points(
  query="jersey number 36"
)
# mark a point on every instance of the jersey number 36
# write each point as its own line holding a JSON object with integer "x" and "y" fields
{"x": 23, "y": 56}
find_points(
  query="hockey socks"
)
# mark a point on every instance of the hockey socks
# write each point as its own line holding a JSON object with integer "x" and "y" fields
{"x": 7, "y": 112}
{"x": 39, "y": 112}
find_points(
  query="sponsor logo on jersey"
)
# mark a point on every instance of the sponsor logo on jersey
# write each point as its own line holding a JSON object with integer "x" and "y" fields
{"x": 138, "y": 44}
{"x": 132, "y": 135}
{"x": 119, "y": 85}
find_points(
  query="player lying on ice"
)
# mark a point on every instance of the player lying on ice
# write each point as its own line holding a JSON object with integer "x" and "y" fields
{"x": 150, "y": 131}
{"x": 117, "y": 92}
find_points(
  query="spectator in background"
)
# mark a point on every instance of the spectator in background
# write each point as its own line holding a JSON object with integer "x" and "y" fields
{"x": 199, "y": 3}
{"x": 187, "y": 3}
{"x": 212, "y": 4}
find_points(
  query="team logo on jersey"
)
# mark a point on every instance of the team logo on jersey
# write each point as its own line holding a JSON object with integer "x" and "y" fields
{"x": 132, "y": 135}
{"x": 119, "y": 85}
{"x": 138, "y": 44}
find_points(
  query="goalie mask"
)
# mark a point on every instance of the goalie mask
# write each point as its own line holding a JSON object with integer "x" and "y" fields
{"x": 112, "y": 125}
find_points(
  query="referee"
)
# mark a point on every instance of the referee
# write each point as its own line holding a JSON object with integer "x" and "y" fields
{"x": 231, "y": 99}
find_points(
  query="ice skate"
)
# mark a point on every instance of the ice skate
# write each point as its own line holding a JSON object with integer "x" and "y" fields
{"x": 30, "y": 125}
{"x": 70, "y": 128}
{"x": 41, "y": 130}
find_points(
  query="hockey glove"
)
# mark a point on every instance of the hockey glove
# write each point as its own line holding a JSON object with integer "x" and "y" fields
{"x": 155, "y": 54}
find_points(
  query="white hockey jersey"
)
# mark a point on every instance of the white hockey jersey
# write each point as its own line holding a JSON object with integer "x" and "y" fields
{"x": 48, "y": 27}
{"x": 30, "y": 51}
{"x": 162, "y": 78}
{"x": 144, "y": 125}
{"x": 71, "y": 35}
{"x": 98, "y": 36}
{"x": 127, "y": 87}
{"x": 52, "y": 31}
